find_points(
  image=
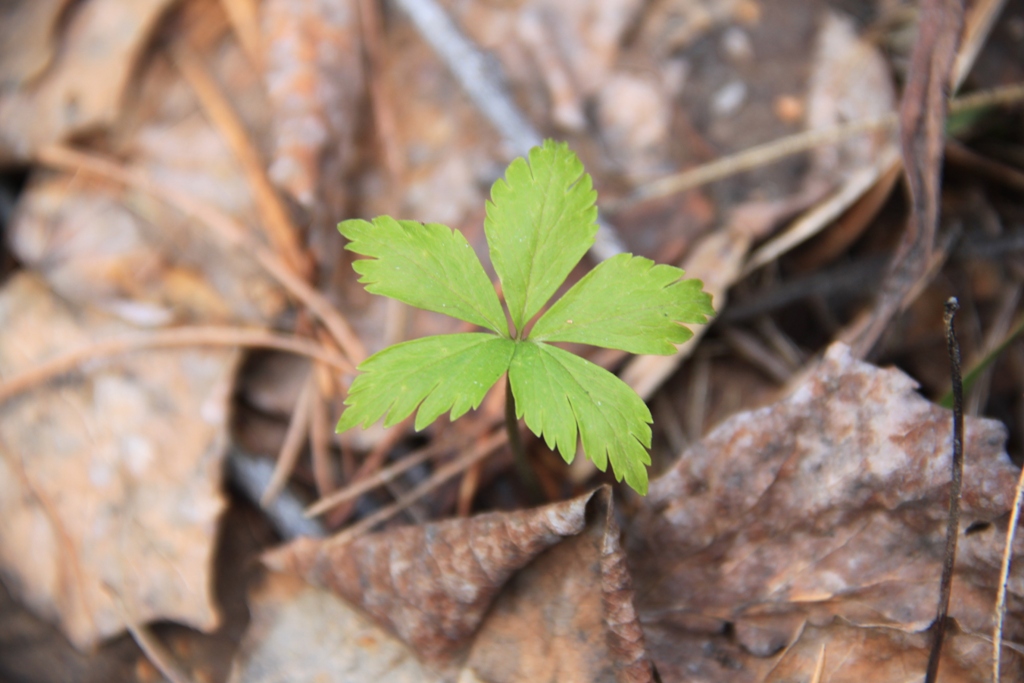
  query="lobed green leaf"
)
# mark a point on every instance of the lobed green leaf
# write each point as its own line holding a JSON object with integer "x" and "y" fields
{"x": 560, "y": 394}
{"x": 441, "y": 373}
{"x": 429, "y": 266}
{"x": 627, "y": 303}
{"x": 540, "y": 222}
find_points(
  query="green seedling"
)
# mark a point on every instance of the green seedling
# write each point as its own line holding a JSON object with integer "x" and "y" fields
{"x": 540, "y": 222}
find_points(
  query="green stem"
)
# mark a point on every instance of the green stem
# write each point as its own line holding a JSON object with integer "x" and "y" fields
{"x": 526, "y": 473}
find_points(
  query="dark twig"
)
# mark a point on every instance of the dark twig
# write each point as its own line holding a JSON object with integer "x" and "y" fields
{"x": 953, "y": 525}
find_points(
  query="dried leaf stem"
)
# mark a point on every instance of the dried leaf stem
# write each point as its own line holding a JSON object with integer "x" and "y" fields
{"x": 175, "y": 337}
{"x": 1004, "y": 580}
{"x": 225, "y": 227}
{"x": 278, "y": 226}
{"x": 778, "y": 149}
{"x": 294, "y": 438}
{"x": 953, "y": 524}
{"x": 442, "y": 475}
{"x": 360, "y": 486}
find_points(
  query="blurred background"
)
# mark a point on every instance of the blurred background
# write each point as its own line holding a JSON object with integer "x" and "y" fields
{"x": 179, "y": 320}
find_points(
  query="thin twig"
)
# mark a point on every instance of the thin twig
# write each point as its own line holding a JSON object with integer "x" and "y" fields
{"x": 279, "y": 229}
{"x": 383, "y": 109}
{"x": 154, "y": 650}
{"x": 442, "y": 475}
{"x": 320, "y": 433}
{"x": 291, "y": 448}
{"x": 819, "y": 667}
{"x": 1004, "y": 579}
{"x": 370, "y": 466}
{"x": 242, "y": 14}
{"x": 953, "y": 524}
{"x": 776, "y": 150}
{"x": 360, "y": 486}
{"x": 233, "y": 233}
{"x": 175, "y": 337}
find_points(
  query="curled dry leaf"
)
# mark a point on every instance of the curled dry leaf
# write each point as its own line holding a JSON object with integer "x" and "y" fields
{"x": 569, "y": 613}
{"x": 109, "y": 483}
{"x": 826, "y": 508}
{"x": 565, "y": 597}
{"x": 84, "y": 87}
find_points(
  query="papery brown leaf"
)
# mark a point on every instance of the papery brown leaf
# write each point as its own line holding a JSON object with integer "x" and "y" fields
{"x": 829, "y": 503}
{"x": 431, "y": 585}
{"x": 27, "y": 38}
{"x": 97, "y": 243}
{"x": 569, "y": 611}
{"x": 109, "y": 483}
{"x": 302, "y": 633}
{"x": 314, "y": 78}
{"x": 854, "y": 655}
{"x": 84, "y": 87}
{"x": 568, "y": 616}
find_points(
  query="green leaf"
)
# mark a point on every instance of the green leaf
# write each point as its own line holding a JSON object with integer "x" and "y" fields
{"x": 445, "y": 372}
{"x": 559, "y": 393}
{"x": 540, "y": 222}
{"x": 627, "y": 303}
{"x": 429, "y": 266}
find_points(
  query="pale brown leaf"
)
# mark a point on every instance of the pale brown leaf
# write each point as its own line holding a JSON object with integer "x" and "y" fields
{"x": 302, "y": 633}
{"x": 84, "y": 87}
{"x": 109, "y": 483}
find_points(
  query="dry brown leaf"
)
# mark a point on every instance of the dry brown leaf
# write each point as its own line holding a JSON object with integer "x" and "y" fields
{"x": 568, "y": 613}
{"x": 314, "y": 78}
{"x": 84, "y": 87}
{"x": 567, "y": 616}
{"x": 99, "y": 244}
{"x": 27, "y": 38}
{"x": 109, "y": 483}
{"x": 302, "y": 633}
{"x": 830, "y": 504}
{"x": 855, "y": 655}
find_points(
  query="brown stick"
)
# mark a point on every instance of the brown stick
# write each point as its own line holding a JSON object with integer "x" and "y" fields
{"x": 278, "y": 226}
{"x": 176, "y": 337}
{"x": 953, "y": 524}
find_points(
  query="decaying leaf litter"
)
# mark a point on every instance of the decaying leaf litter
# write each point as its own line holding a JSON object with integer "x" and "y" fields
{"x": 177, "y": 169}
